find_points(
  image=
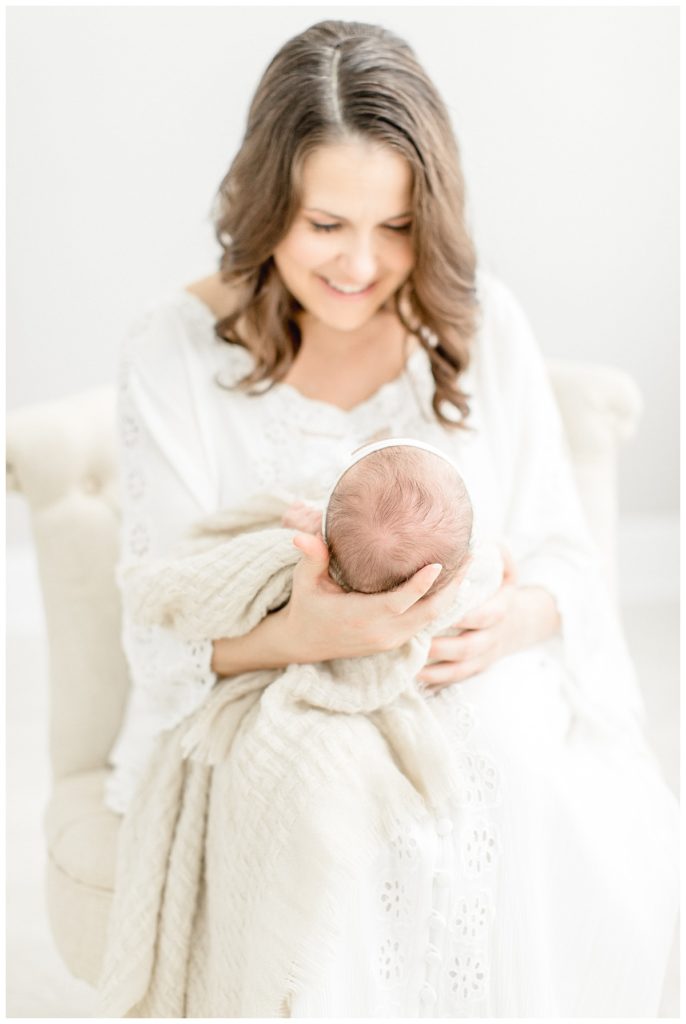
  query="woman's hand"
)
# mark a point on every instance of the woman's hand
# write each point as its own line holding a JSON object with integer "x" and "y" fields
{"x": 321, "y": 621}
{"x": 513, "y": 619}
{"x": 301, "y": 516}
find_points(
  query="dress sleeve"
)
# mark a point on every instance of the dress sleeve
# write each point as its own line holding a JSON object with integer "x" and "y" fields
{"x": 545, "y": 525}
{"x": 167, "y": 481}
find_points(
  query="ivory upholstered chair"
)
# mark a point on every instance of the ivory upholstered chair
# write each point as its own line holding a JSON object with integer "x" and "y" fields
{"x": 61, "y": 457}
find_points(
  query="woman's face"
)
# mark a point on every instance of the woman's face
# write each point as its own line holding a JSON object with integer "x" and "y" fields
{"x": 349, "y": 249}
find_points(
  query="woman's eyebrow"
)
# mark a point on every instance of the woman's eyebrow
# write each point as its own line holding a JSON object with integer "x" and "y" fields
{"x": 337, "y": 216}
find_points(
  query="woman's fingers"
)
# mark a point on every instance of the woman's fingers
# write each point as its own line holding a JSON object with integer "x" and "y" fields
{"x": 458, "y": 658}
{"x": 489, "y": 613}
{"x": 470, "y": 644}
{"x": 315, "y": 560}
{"x": 444, "y": 648}
{"x": 400, "y": 600}
{"x": 509, "y": 567}
{"x": 492, "y": 611}
{"x": 302, "y": 517}
{"x": 434, "y": 677}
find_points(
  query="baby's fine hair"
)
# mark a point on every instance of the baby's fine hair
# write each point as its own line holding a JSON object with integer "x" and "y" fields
{"x": 393, "y": 512}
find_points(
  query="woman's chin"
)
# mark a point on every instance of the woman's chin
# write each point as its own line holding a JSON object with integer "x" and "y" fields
{"x": 349, "y": 319}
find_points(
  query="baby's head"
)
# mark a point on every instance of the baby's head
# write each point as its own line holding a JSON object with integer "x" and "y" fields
{"x": 395, "y": 510}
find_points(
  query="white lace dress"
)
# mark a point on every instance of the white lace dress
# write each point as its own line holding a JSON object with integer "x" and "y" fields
{"x": 551, "y": 889}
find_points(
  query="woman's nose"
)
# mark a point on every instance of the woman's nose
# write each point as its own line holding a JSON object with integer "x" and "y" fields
{"x": 359, "y": 260}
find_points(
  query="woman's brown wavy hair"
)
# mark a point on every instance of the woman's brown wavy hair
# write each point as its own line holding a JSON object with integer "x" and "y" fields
{"x": 335, "y": 81}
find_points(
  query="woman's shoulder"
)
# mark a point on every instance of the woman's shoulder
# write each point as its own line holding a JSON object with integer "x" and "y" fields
{"x": 179, "y": 324}
{"x": 508, "y": 360}
{"x": 215, "y": 294}
{"x": 496, "y": 298}
{"x": 504, "y": 325}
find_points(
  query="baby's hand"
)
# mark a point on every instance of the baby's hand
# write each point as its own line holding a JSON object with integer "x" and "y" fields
{"x": 300, "y": 516}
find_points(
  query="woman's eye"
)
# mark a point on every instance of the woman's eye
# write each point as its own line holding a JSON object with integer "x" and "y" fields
{"x": 401, "y": 229}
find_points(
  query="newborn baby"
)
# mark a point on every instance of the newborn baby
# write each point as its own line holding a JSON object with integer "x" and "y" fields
{"x": 400, "y": 505}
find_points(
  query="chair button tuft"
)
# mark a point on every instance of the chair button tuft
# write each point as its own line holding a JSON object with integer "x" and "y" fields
{"x": 91, "y": 485}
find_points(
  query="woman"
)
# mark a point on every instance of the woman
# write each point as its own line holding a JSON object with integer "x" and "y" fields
{"x": 348, "y": 307}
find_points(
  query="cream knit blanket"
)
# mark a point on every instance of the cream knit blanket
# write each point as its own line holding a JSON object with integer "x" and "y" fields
{"x": 237, "y": 854}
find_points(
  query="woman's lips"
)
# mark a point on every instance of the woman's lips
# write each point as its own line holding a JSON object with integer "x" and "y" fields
{"x": 346, "y": 295}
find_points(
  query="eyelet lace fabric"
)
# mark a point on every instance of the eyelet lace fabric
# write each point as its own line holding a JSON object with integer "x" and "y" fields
{"x": 170, "y": 676}
{"x": 436, "y": 899}
{"x": 329, "y": 434}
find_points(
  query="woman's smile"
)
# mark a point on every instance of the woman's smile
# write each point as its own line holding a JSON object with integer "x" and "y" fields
{"x": 346, "y": 291}
{"x": 349, "y": 249}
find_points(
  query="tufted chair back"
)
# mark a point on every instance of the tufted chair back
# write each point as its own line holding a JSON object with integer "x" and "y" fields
{"x": 61, "y": 456}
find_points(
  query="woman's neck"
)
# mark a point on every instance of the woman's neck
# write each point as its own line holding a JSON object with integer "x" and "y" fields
{"x": 383, "y": 333}
{"x": 345, "y": 368}
{"x": 340, "y": 367}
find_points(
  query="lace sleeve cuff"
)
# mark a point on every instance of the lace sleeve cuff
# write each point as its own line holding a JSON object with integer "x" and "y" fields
{"x": 173, "y": 675}
{"x": 173, "y": 678}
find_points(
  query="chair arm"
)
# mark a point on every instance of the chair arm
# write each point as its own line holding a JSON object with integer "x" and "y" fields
{"x": 54, "y": 446}
{"x": 600, "y": 407}
{"x": 599, "y": 404}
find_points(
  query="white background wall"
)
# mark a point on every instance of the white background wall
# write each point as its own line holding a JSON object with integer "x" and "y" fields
{"x": 121, "y": 122}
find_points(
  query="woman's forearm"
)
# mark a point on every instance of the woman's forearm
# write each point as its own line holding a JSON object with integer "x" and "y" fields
{"x": 265, "y": 646}
{"x": 321, "y": 622}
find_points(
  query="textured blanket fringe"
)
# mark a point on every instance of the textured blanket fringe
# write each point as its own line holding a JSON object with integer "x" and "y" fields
{"x": 420, "y": 748}
{"x": 209, "y": 736}
{"x": 145, "y": 842}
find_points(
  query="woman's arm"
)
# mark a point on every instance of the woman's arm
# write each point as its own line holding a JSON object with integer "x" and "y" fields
{"x": 321, "y": 621}
{"x": 265, "y": 646}
{"x": 556, "y": 584}
{"x": 513, "y": 619}
{"x": 166, "y": 483}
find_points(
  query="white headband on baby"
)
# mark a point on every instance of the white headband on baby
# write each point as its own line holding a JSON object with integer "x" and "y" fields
{"x": 376, "y": 446}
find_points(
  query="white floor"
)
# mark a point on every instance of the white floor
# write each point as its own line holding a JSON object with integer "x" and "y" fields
{"x": 37, "y": 983}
